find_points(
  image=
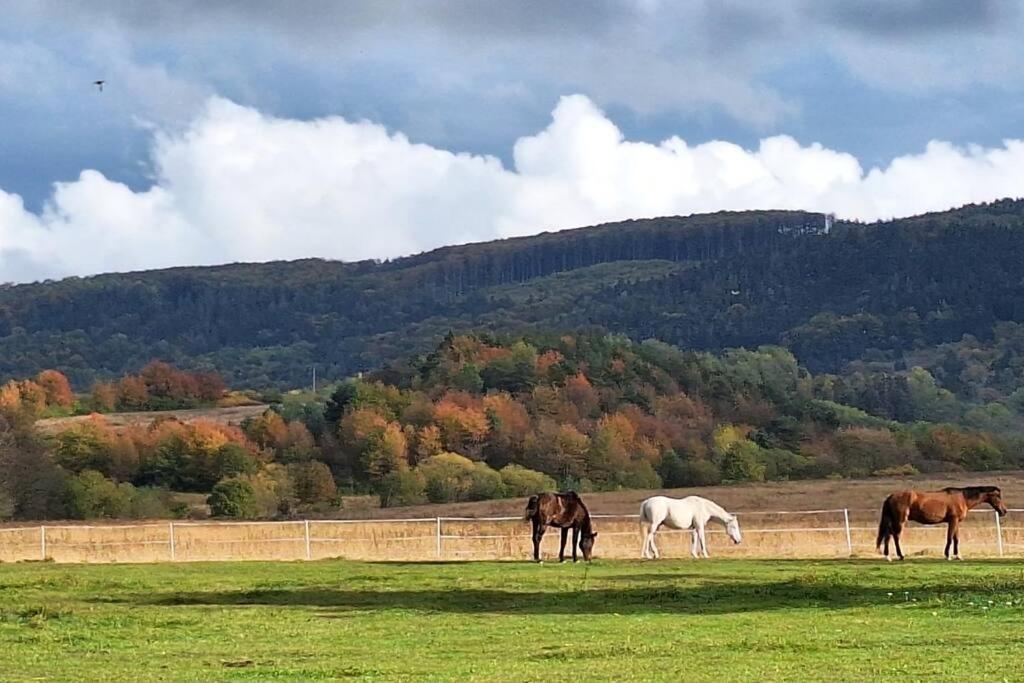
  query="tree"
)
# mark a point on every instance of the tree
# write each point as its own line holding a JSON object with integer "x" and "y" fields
{"x": 267, "y": 430}
{"x": 516, "y": 372}
{"x": 559, "y": 450}
{"x": 103, "y": 397}
{"x": 313, "y": 482}
{"x": 57, "y": 388}
{"x": 132, "y": 394}
{"x": 31, "y": 483}
{"x": 463, "y": 423}
{"x": 232, "y": 497}
{"x": 428, "y": 442}
{"x": 387, "y": 453}
{"x": 339, "y": 401}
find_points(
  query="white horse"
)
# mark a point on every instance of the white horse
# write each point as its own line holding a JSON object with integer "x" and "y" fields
{"x": 692, "y": 512}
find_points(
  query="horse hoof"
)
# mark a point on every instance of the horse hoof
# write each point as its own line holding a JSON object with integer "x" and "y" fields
{"x": 888, "y": 559}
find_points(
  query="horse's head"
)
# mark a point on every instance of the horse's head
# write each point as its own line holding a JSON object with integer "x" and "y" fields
{"x": 732, "y": 527}
{"x": 995, "y": 499}
{"x": 587, "y": 544}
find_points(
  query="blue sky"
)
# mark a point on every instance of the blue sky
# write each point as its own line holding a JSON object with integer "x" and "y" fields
{"x": 873, "y": 81}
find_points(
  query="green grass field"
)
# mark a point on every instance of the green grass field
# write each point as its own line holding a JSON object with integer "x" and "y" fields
{"x": 718, "y": 620}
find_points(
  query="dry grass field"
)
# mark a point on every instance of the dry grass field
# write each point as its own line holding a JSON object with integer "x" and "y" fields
{"x": 231, "y": 416}
{"x": 855, "y": 494}
{"x": 774, "y": 518}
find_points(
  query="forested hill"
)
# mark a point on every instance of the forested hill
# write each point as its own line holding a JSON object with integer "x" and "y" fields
{"x": 875, "y": 294}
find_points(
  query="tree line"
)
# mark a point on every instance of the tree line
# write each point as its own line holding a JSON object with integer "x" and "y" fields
{"x": 485, "y": 416}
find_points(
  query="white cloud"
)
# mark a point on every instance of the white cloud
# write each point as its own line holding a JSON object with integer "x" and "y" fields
{"x": 238, "y": 185}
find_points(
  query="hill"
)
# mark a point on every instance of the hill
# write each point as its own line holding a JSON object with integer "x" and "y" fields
{"x": 885, "y": 295}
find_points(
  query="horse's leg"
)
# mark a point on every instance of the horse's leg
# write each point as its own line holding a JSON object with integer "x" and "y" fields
{"x": 694, "y": 547}
{"x": 538, "y": 534}
{"x": 655, "y": 525}
{"x": 949, "y": 539}
{"x": 561, "y": 549}
{"x": 703, "y": 540}
{"x": 887, "y": 558}
{"x": 645, "y": 531}
{"x": 575, "y": 542}
{"x": 896, "y": 531}
{"x": 956, "y": 540}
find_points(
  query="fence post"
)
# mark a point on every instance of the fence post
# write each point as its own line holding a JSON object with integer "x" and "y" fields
{"x": 170, "y": 538}
{"x": 309, "y": 552}
{"x": 999, "y": 533}
{"x": 42, "y": 543}
{"x": 846, "y": 523}
{"x": 438, "y": 538}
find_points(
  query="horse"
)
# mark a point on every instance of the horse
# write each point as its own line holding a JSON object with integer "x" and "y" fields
{"x": 692, "y": 512}
{"x": 564, "y": 511}
{"x": 949, "y": 505}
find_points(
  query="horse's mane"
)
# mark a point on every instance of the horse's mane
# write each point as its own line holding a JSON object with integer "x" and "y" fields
{"x": 971, "y": 491}
{"x": 726, "y": 515}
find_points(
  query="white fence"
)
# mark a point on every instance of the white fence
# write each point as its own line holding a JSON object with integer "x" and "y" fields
{"x": 803, "y": 533}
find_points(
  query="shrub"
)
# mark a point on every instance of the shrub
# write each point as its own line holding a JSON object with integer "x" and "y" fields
{"x": 640, "y": 475}
{"x": 91, "y": 495}
{"x": 402, "y": 487}
{"x": 150, "y": 503}
{"x": 520, "y": 481}
{"x": 781, "y": 464}
{"x": 451, "y": 477}
{"x": 232, "y": 498}
{"x": 740, "y": 462}
{"x": 898, "y": 471}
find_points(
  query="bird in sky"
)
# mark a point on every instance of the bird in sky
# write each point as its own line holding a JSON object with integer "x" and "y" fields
{"x": 99, "y": 84}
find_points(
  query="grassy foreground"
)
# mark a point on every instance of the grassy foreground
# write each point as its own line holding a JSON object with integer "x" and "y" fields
{"x": 720, "y": 620}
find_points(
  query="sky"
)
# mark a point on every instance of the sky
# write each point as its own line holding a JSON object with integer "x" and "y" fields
{"x": 252, "y": 130}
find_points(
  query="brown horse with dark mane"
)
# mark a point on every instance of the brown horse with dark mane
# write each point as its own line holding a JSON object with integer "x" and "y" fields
{"x": 950, "y": 505}
{"x": 564, "y": 511}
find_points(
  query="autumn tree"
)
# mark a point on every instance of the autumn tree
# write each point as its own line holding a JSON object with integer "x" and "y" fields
{"x": 56, "y": 388}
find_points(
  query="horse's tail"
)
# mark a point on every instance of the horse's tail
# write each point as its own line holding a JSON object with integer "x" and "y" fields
{"x": 884, "y": 524}
{"x": 531, "y": 508}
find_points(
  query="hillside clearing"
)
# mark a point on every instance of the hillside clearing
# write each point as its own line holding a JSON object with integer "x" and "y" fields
{"x": 230, "y": 416}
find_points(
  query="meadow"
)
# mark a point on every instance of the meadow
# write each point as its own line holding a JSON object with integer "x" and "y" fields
{"x": 718, "y": 620}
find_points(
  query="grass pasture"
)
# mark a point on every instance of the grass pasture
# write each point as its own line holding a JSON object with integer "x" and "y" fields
{"x": 719, "y": 620}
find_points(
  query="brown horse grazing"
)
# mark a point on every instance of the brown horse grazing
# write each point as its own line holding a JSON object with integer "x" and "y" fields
{"x": 564, "y": 511}
{"x": 950, "y": 505}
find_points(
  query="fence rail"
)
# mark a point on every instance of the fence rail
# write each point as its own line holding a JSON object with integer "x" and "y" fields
{"x": 840, "y": 532}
